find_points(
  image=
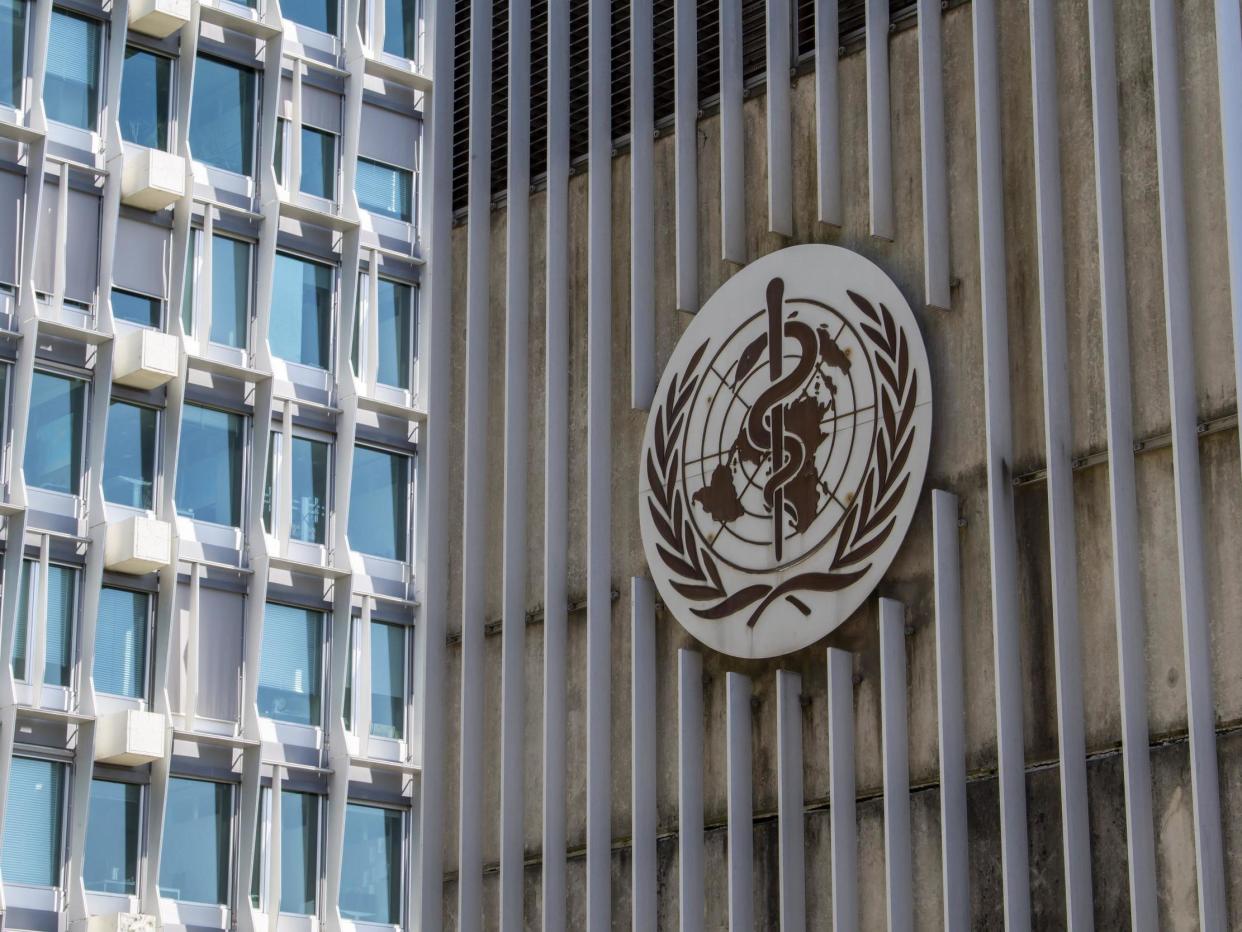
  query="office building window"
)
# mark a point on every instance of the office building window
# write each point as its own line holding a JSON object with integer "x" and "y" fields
{"x": 400, "y": 28}
{"x": 299, "y": 852}
{"x": 378, "y": 500}
{"x": 318, "y": 163}
{"x": 397, "y": 333}
{"x": 137, "y": 308}
{"x": 222, "y": 117}
{"x": 371, "y": 867}
{"x": 388, "y": 676}
{"x": 12, "y": 51}
{"x": 129, "y": 455}
{"x": 209, "y": 466}
{"x": 290, "y": 677}
{"x": 33, "y": 823}
{"x": 301, "y": 323}
{"x": 113, "y": 820}
{"x": 71, "y": 87}
{"x": 121, "y": 642}
{"x": 197, "y": 848}
{"x": 146, "y": 88}
{"x": 317, "y": 14}
{"x": 278, "y": 156}
{"x": 62, "y": 601}
{"x": 56, "y": 433}
{"x": 309, "y": 488}
{"x": 231, "y": 262}
{"x": 385, "y": 189}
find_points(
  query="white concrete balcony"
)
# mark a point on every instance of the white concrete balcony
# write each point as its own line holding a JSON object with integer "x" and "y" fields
{"x": 159, "y": 18}
{"x": 138, "y": 545}
{"x": 130, "y": 739}
{"x": 145, "y": 359}
{"x": 152, "y": 179}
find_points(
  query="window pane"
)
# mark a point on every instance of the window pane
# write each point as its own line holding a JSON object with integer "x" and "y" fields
{"x": 385, "y": 190}
{"x": 145, "y": 82}
{"x": 387, "y": 680}
{"x": 399, "y": 27}
{"x": 278, "y": 159}
{"x": 269, "y": 483}
{"x": 230, "y": 291}
{"x": 377, "y": 503}
{"x": 299, "y": 852}
{"x": 371, "y": 866}
{"x": 62, "y": 592}
{"x": 209, "y": 466}
{"x": 348, "y": 709}
{"x": 54, "y": 439}
{"x": 222, "y": 115}
{"x": 32, "y": 822}
{"x": 194, "y": 866}
{"x": 112, "y": 825}
{"x": 310, "y": 491}
{"x": 301, "y": 324}
{"x": 289, "y": 674}
{"x": 20, "y": 641}
{"x": 71, "y": 88}
{"x": 136, "y": 308}
{"x": 12, "y": 51}
{"x": 121, "y": 642}
{"x": 396, "y": 333}
{"x": 318, "y": 163}
{"x": 318, "y": 14}
{"x": 129, "y": 455}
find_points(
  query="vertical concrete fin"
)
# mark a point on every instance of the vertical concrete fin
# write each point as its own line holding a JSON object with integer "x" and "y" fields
{"x": 740, "y": 804}
{"x": 842, "y": 811}
{"x": 690, "y": 845}
{"x": 898, "y": 873}
{"x": 827, "y": 114}
{"x": 879, "y": 124}
{"x": 791, "y": 820}
{"x": 643, "y": 727}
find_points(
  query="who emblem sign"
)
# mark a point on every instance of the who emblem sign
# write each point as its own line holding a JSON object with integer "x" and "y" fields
{"x": 785, "y": 451}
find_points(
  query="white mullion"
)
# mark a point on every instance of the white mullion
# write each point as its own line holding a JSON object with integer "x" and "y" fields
{"x": 936, "y": 276}
{"x": 827, "y": 114}
{"x": 642, "y": 207}
{"x": 779, "y": 132}
{"x": 842, "y": 809}
{"x": 898, "y": 872}
{"x": 791, "y": 819}
{"x": 643, "y": 774}
{"x": 690, "y": 831}
{"x": 740, "y": 806}
{"x": 685, "y": 116}
{"x": 732, "y": 136}
{"x": 879, "y": 124}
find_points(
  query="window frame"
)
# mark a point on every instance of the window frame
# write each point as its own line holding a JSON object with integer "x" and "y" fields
{"x": 334, "y": 196}
{"x": 402, "y": 869}
{"x": 133, "y": 41}
{"x": 223, "y": 56}
{"x": 413, "y": 173}
{"x": 109, "y": 776}
{"x": 244, "y": 490}
{"x": 28, "y": 752}
{"x": 162, "y": 326}
{"x": 408, "y": 542}
{"x": 407, "y": 672}
{"x": 157, "y": 481}
{"x": 333, "y": 264}
{"x": 195, "y": 266}
{"x": 32, "y": 582}
{"x": 263, "y": 856}
{"x": 275, "y": 464}
{"x": 230, "y": 874}
{"x": 325, "y": 620}
{"x": 58, "y": 370}
{"x": 20, "y": 103}
{"x": 147, "y": 659}
{"x": 89, "y": 16}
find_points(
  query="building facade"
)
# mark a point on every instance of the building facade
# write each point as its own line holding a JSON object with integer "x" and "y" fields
{"x": 331, "y": 340}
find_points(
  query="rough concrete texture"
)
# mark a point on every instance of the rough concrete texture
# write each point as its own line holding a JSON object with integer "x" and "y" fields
{"x": 954, "y": 344}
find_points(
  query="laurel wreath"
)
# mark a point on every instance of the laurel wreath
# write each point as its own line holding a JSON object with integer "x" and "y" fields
{"x": 868, "y": 521}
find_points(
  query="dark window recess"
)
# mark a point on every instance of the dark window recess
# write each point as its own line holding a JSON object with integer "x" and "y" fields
{"x": 851, "y": 26}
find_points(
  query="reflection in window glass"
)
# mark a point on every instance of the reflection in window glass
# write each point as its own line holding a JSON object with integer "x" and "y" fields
{"x": 396, "y": 333}
{"x": 222, "y": 120}
{"x": 318, "y": 163}
{"x": 400, "y": 28}
{"x": 33, "y": 816}
{"x": 136, "y": 308}
{"x": 230, "y": 291}
{"x": 301, "y": 323}
{"x": 112, "y": 824}
{"x": 194, "y": 866}
{"x": 62, "y": 593}
{"x": 377, "y": 503}
{"x": 121, "y": 642}
{"x": 384, "y": 189}
{"x": 310, "y": 491}
{"x": 299, "y": 852}
{"x": 209, "y": 466}
{"x": 145, "y": 86}
{"x": 317, "y": 14}
{"x": 371, "y": 866}
{"x": 54, "y": 436}
{"x": 71, "y": 87}
{"x": 12, "y": 51}
{"x": 387, "y": 680}
{"x": 289, "y": 671}
{"x": 129, "y": 455}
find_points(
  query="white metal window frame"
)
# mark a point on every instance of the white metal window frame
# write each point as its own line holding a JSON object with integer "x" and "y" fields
{"x": 291, "y": 733}
{"x": 407, "y": 842}
{"x": 379, "y": 221}
{"x": 117, "y": 511}
{"x": 64, "y": 504}
{"x": 31, "y": 690}
{"x": 42, "y": 897}
{"x": 295, "y": 372}
{"x": 110, "y": 702}
{"x": 370, "y": 565}
{"x": 200, "y": 334}
{"x": 133, "y": 41}
{"x": 85, "y": 139}
{"x": 122, "y": 324}
{"x": 325, "y": 205}
{"x": 102, "y": 903}
{"x": 209, "y": 532}
{"x": 276, "y": 453}
{"x": 221, "y": 178}
{"x": 212, "y": 915}
{"x": 367, "y": 367}
{"x": 290, "y": 922}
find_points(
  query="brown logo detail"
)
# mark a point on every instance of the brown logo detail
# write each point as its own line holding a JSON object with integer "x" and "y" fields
{"x": 777, "y": 441}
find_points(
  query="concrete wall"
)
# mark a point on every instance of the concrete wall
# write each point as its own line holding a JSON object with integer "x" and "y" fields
{"x": 954, "y": 342}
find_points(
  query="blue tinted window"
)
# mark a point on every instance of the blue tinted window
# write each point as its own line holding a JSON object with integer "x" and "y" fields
{"x": 301, "y": 321}
{"x": 55, "y": 433}
{"x": 129, "y": 455}
{"x": 71, "y": 87}
{"x": 112, "y": 825}
{"x": 396, "y": 333}
{"x": 194, "y": 866}
{"x": 20, "y": 639}
{"x": 209, "y": 466}
{"x": 371, "y": 866}
{"x": 400, "y": 28}
{"x": 136, "y": 308}
{"x": 33, "y": 817}
{"x": 317, "y": 14}
{"x": 222, "y": 119}
{"x": 387, "y": 680}
{"x": 318, "y": 163}
{"x": 62, "y": 601}
{"x": 12, "y": 51}
{"x": 377, "y": 503}
{"x": 289, "y": 674}
{"x": 309, "y": 507}
{"x": 383, "y": 189}
{"x": 299, "y": 852}
{"x": 121, "y": 642}
{"x": 145, "y": 84}
{"x": 230, "y": 291}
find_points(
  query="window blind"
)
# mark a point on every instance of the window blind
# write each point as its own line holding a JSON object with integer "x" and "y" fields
{"x": 32, "y": 822}
{"x": 289, "y": 674}
{"x": 121, "y": 642}
{"x": 384, "y": 190}
{"x": 23, "y": 623}
{"x": 58, "y": 646}
{"x": 73, "y": 48}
